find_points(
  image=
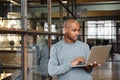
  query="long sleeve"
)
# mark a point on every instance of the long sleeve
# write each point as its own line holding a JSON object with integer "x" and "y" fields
{"x": 61, "y": 55}
{"x": 42, "y": 58}
{"x": 53, "y": 67}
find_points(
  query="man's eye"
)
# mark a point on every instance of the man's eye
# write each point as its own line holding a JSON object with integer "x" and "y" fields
{"x": 74, "y": 30}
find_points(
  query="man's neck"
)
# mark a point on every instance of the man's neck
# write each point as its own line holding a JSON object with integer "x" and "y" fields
{"x": 68, "y": 41}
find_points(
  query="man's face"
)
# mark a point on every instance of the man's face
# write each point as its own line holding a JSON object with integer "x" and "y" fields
{"x": 72, "y": 32}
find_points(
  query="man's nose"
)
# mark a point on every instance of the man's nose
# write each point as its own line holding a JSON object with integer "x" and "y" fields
{"x": 77, "y": 32}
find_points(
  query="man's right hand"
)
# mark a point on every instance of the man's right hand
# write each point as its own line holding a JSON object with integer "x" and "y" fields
{"x": 77, "y": 60}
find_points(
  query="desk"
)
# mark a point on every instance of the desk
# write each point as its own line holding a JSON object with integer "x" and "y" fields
{"x": 5, "y": 75}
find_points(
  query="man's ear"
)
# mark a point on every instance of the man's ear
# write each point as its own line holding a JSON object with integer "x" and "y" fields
{"x": 65, "y": 30}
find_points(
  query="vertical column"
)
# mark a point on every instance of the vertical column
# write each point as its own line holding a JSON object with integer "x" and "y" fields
{"x": 68, "y": 7}
{"x": 49, "y": 23}
{"x": 24, "y": 40}
{"x": 61, "y": 20}
{"x": 49, "y": 27}
{"x": 74, "y": 6}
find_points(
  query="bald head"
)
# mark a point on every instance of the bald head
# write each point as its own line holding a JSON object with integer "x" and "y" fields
{"x": 70, "y": 22}
{"x": 71, "y": 30}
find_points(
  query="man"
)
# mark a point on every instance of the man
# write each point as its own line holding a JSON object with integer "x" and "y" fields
{"x": 42, "y": 58}
{"x": 67, "y": 53}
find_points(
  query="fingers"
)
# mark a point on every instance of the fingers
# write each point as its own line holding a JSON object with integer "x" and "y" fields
{"x": 95, "y": 64}
{"x": 77, "y": 60}
{"x": 74, "y": 62}
{"x": 80, "y": 59}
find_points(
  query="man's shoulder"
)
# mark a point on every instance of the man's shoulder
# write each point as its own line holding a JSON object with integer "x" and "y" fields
{"x": 82, "y": 43}
{"x": 57, "y": 44}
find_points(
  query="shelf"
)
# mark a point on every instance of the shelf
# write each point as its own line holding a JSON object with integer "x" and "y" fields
{"x": 13, "y": 51}
{"x": 11, "y": 66}
{"x": 8, "y": 51}
{"x": 11, "y": 31}
{"x": 21, "y": 31}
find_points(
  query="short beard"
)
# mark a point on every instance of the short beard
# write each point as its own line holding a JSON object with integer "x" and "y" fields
{"x": 67, "y": 36}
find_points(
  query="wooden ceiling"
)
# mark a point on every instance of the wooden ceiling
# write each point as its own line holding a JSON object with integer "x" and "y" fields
{"x": 45, "y": 1}
{"x": 93, "y": 11}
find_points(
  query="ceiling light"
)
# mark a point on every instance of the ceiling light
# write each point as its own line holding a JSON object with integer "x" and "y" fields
{"x": 13, "y": 2}
{"x": 64, "y": 1}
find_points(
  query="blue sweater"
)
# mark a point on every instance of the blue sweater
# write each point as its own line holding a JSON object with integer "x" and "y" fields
{"x": 62, "y": 54}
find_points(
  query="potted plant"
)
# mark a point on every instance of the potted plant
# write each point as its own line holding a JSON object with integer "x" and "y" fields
{"x": 11, "y": 44}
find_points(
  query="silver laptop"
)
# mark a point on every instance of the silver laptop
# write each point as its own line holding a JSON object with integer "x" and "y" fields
{"x": 98, "y": 54}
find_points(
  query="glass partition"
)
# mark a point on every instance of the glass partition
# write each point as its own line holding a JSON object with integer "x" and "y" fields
{"x": 26, "y": 35}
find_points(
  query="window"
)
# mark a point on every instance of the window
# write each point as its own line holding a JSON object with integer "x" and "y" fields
{"x": 100, "y": 29}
